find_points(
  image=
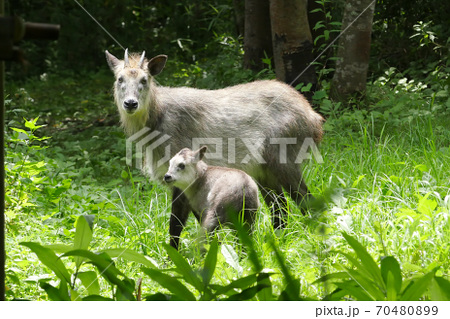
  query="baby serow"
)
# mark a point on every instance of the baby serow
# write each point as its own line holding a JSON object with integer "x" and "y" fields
{"x": 213, "y": 192}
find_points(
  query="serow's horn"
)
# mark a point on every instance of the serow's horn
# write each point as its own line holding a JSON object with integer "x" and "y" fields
{"x": 127, "y": 62}
{"x": 141, "y": 61}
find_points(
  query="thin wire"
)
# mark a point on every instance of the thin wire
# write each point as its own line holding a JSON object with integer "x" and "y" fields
{"x": 90, "y": 15}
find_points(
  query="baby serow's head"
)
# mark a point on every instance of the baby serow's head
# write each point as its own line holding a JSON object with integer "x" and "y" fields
{"x": 183, "y": 167}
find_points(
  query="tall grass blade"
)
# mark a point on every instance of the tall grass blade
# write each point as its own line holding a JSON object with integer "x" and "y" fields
{"x": 366, "y": 260}
{"x": 292, "y": 289}
{"x": 417, "y": 288}
{"x": 210, "y": 263}
{"x": 366, "y": 284}
{"x": 183, "y": 268}
{"x": 246, "y": 240}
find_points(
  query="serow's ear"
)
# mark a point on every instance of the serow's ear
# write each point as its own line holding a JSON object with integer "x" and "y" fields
{"x": 113, "y": 62}
{"x": 201, "y": 152}
{"x": 157, "y": 64}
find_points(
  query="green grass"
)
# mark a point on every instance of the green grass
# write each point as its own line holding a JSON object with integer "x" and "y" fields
{"x": 385, "y": 180}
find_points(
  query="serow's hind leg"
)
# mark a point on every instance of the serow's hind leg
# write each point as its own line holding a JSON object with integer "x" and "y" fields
{"x": 276, "y": 201}
{"x": 294, "y": 184}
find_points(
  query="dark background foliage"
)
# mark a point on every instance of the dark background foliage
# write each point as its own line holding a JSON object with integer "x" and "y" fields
{"x": 188, "y": 31}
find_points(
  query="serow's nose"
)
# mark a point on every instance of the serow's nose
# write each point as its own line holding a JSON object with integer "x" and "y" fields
{"x": 130, "y": 105}
{"x": 167, "y": 178}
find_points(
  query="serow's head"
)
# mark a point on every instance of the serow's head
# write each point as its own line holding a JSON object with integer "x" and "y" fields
{"x": 133, "y": 78}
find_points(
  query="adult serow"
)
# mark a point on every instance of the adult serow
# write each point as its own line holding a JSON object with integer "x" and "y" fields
{"x": 213, "y": 192}
{"x": 258, "y": 127}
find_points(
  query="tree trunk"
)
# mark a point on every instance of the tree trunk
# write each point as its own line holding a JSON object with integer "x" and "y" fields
{"x": 292, "y": 42}
{"x": 257, "y": 35}
{"x": 239, "y": 15}
{"x": 354, "y": 50}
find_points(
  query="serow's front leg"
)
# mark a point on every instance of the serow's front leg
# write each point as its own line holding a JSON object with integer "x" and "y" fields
{"x": 178, "y": 217}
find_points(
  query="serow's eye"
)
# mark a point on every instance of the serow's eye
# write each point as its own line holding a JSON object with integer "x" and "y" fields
{"x": 144, "y": 81}
{"x": 181, "y": 166}
{"x": 120, "y": 80}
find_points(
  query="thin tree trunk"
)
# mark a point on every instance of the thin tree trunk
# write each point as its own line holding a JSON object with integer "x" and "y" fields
{"x": 292, "y": 42}
{"x": 354, "y": 50}
{"x": 257, "y": 35}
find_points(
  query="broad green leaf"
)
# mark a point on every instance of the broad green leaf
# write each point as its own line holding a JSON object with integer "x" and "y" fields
{"x": 130, "y": 255}
{"x": 391, "y": 292}
{"x": 158, "y": 297}
{"x": 30, "y": 124}
{"x": 19, "y": 130}
{"x": 351, "y": 289}
{"x": 125, "y": 291}
{"x": 241, "y": 283}
{"x": 232, "y": 258}
{"x": 183, "y": 268}
{"x": 53, "y": 293}
{"x": 336, "y": 275}
{"x": 96, "y": 298}
{"x": 107, "y": 269}
{"x": 369, "y": 287}
{"x": 105, "y": 266}
{"x": 49, "y": 259}
{"x": 367, "y": 261}
{"x": 289, "y": 293}
{"x": 336, "y": 295}
{"x": 170, "y": 283}
{"x": 59, "y": 248}
{"x": 83, "y": 236}
{"x": 64, "y": 290}
{"x": 390, "y": 267}
{"x": 74, "y": 295}
{"x": 417, "y": 287}
{"x": 355, "y": 262}
{"x": 265, "y": 294}
{"x": 90, "y": 281}
{"x": 210, "y": 263}
{"x": 440, "y": 289}
{"x": 246, "y": 294}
